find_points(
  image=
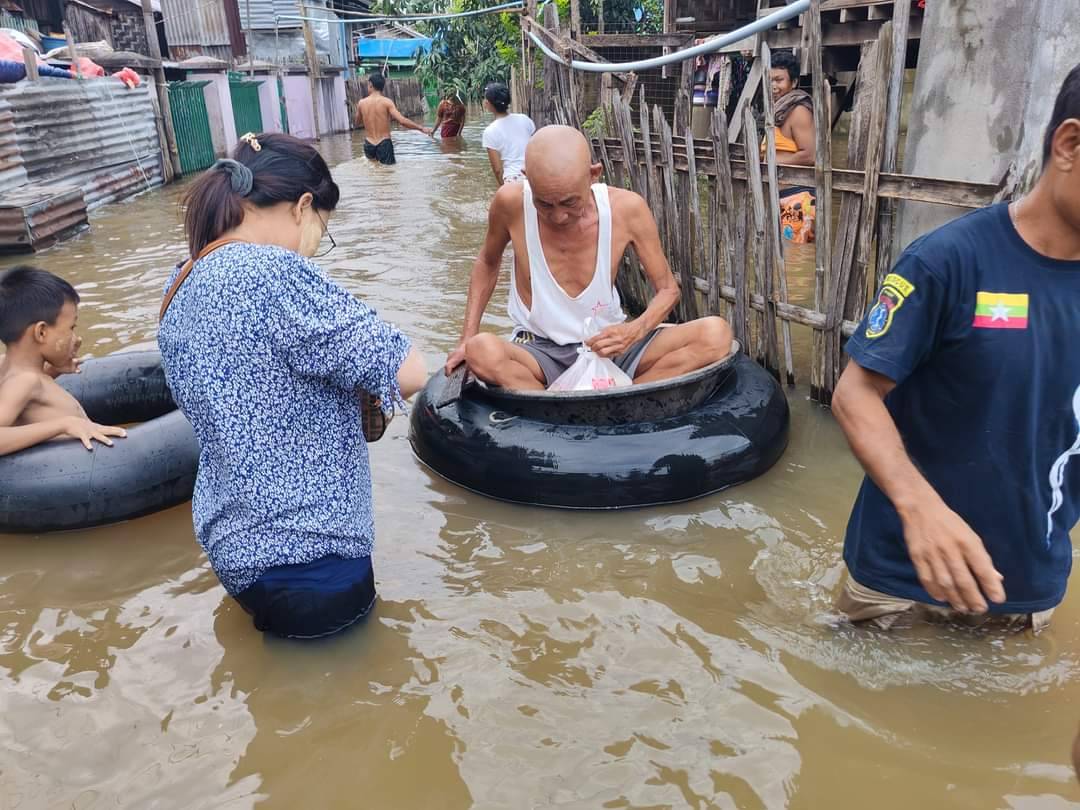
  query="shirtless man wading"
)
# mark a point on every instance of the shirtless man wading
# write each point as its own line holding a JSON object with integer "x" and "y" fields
{"x": 569, "y": 234}
{"x": 374, "y": 113}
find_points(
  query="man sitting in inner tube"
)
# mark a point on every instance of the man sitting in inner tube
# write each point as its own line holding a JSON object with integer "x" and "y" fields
{"x": 569, "y": 234}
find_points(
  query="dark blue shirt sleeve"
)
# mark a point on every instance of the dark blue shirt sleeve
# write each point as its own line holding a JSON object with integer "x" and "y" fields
{"x": 905, "y": 322}
{"x": 326, "y": 332}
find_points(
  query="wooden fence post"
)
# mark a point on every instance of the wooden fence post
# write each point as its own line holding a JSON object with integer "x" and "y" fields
{"x": 900, "y": 22}
{"x": 758, "y": 226}
{"x": 30, "y": 61}
{"x": 774, "y": 243}
{"x": 823, "y": 181}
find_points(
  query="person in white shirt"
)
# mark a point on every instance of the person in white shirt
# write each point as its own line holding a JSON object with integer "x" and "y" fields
{"x": 506, "y": 137}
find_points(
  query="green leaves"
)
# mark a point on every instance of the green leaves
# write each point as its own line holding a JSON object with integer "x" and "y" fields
{"x": 470, "y": 52}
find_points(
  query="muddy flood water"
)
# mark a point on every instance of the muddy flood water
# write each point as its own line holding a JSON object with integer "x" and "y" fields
{"x": 683, "y": 656}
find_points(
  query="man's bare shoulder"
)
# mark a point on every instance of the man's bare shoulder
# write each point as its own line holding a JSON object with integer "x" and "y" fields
{"x": 628, "y": 206}
{"x": 508, "y": 201}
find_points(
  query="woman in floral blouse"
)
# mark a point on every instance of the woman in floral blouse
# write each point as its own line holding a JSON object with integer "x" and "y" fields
{"x": 270, "y": 360}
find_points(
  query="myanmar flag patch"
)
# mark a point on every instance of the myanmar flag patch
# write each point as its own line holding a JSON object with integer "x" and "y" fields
{"x": 1001, "y": 310}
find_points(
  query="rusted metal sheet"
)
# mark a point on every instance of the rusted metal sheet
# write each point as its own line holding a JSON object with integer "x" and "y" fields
{"x": 12, "y": 170}
{"x": 34, "y": 217}
{"x": 95, "y": 134}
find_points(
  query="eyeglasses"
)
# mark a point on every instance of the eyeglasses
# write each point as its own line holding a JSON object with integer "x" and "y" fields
{"x": 327, "y": 234}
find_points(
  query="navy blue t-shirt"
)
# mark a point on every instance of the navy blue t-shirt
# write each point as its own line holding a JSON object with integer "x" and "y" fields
{"x": 982, "y": 336}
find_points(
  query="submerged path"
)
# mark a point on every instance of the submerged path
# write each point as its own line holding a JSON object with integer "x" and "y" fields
{"x": 674, "y": 657}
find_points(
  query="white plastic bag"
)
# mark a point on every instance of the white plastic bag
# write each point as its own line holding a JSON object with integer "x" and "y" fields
{"x": 590, "y": 372}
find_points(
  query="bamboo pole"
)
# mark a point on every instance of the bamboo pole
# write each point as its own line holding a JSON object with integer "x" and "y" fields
{"x": 775, "y": 243}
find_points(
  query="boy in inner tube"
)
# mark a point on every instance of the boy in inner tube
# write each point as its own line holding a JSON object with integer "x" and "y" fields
{"x": 39, "y": 315}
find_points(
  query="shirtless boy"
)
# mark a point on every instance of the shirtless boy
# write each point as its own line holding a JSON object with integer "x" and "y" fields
{"x": 38, "y": 314}
{"x": 374, "y": 113}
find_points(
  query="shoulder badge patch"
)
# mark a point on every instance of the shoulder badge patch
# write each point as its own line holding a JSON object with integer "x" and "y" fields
{"x": 894, "y": 291}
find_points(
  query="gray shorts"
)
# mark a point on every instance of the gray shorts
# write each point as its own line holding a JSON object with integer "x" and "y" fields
{"x": 555, "y": 358}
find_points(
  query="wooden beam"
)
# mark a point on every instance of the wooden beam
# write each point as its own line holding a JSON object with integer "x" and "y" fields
{"x": 575, "y": 19}
{"x": 30, "y": 61}
{"x": 831, "y": 5}
{"x": 957, "y": 193}
{"x": 787, "y": 312}
{"x": 675, "y": 40}
{"x": 774, "y": 243}
{"x": 823, "y": 184}
{"x": 850, "y": 35}
{"x": 753, "y": 80}
{"x": 901, "y": 18}
{"x": 572, "y": 46}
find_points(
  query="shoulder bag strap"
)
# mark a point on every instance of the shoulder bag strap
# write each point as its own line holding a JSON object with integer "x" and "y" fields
{"x": 186, "y": 270}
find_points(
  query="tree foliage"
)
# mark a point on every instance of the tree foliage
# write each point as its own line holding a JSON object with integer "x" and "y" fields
{"x": 469, "y": 52}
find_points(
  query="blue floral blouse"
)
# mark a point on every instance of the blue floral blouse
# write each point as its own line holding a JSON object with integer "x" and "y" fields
{"x": 267, "y": 358}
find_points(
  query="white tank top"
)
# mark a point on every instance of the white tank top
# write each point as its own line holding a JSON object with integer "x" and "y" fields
{"x": 555, "y": 315}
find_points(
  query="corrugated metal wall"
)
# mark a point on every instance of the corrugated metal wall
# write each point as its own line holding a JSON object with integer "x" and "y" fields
{"x": 263, "y": 13}
{"x": 94, "y": 134}
{"x": 12, "y": 170}
{"x": 188, "y": 24}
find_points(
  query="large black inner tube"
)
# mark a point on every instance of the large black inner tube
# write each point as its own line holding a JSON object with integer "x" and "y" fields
{"x": 718, "y": 427}
{"x": 646, "y": 402}
{"x": 60, "y": 485}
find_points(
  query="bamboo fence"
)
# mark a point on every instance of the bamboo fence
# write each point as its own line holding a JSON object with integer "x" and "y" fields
{"x": 719, "y": 214}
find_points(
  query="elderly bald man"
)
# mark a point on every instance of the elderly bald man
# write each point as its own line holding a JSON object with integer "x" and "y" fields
{"x": 569, "y": 233}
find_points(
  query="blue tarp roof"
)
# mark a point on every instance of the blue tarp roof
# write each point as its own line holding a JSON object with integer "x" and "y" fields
{"x": 392, "y": 48}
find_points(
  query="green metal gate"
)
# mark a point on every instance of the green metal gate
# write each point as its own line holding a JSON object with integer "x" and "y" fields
{"x": 192, "y": 125}
{"x": 247, "y": 113}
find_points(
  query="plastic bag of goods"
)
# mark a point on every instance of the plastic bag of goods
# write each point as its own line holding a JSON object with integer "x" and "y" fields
{"x": 590, "y": 372}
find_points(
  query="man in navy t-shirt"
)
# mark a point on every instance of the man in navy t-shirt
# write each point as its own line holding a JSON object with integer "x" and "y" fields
{"x": 962, "y": 402}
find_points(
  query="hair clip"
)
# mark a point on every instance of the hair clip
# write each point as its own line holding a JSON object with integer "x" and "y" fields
{"x": 250, "y": 139}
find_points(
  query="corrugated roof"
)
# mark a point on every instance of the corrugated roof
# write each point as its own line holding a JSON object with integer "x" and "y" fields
{"x": 94, "y": 134}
